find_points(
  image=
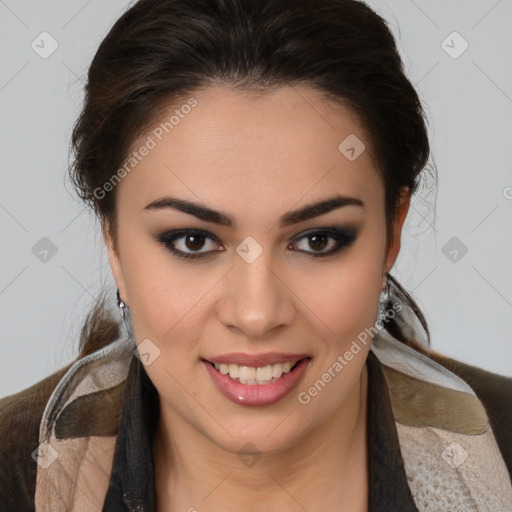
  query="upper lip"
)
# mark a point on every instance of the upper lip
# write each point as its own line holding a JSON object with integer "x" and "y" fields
{"x": 255, "y": 360}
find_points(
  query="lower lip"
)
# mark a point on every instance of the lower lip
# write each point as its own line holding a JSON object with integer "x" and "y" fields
{"x": 265, "y": 394}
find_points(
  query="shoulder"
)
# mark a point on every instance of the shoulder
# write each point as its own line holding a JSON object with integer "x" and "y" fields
{"x": 495, "y": 393}
{"x": 20, "y": 415}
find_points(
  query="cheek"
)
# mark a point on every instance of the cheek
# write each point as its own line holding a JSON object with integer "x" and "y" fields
{"x": 347, "y": 294}
{"x": 161, "y": 296}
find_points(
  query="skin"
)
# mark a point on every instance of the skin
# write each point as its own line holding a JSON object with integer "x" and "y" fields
{"x": 256, "y": 157}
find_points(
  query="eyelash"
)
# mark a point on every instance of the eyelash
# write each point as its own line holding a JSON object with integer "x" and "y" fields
{"x": 343, "y": 238}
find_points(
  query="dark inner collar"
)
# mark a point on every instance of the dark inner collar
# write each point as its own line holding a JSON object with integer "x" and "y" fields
{"x": 132, "y": 483}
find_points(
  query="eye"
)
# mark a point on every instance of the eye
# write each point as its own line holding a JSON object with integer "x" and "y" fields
{"x": 179, "y": 242}
{"x": 318, "y": 240}
{"x": 192, "y": 243}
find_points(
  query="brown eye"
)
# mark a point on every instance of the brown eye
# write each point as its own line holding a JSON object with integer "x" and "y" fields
{"x": 189, "y": 243}
{"x": 194, "y": 242}
{"x": 319, "y": 240}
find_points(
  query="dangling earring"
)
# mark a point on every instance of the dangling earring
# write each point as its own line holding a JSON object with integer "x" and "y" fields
{"x": 384, "y": 299}
{"x": 125, "y": 313}
{"x": 121, "y": 305}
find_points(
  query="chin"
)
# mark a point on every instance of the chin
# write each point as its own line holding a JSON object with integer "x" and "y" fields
{"x": 264, "y": 436}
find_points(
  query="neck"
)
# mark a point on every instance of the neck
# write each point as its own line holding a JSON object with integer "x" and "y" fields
{"x": 197, "y": 474}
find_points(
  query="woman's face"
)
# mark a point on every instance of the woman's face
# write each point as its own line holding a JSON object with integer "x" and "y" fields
{"x": 272, "y": 280}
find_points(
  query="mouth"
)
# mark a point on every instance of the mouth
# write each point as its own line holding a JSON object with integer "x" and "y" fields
{"x": 256, "y": 375}
{"x": 257, "y": 385}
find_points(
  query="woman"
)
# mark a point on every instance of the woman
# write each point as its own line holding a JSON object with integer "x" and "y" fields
{"x": 252, "y": 165}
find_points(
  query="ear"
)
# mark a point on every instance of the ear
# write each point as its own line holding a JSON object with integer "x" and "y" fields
{"x": 114, "y": 260}
{"x": 403, "y": 208}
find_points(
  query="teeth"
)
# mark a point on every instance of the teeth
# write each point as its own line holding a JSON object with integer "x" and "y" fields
{"x": 264, "y": 373}
{"x": 255, "y": 376}
{"x": 287, "y": 367}
{"x": 233, "y": 371}
{"x": 246, "y": 373}
{"x": 277, "y": 370}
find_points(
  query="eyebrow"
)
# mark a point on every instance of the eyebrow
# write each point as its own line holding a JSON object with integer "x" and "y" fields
{"x": 307, "y": 212}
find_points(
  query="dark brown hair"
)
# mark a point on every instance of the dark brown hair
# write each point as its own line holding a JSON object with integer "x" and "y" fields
{"x": 160, "y": 51}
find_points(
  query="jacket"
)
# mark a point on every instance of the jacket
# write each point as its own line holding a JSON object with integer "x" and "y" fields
{"x": 438, "y": 435}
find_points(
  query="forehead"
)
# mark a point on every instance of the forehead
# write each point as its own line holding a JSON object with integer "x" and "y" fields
{"x": 255, "y": 149}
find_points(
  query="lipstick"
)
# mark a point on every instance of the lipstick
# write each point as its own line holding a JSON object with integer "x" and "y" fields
{"x": 261, "y": 393}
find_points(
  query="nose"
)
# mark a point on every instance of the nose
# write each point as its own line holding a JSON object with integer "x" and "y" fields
{"x": 256, "y": 300}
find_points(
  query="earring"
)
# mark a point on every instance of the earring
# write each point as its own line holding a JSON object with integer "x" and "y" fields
{"x": 384, "y": 299}
{"x": 121, "y": 304}
{"x": 125, "y": 313}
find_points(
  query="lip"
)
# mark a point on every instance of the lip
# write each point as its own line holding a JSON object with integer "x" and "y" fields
{"x": 258, "y": 395}
{"x": 255, "y": 360}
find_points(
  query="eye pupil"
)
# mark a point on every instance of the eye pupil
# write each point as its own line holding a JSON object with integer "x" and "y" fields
{"x": 315, "y": 243}
{"x": 195, "y": 244}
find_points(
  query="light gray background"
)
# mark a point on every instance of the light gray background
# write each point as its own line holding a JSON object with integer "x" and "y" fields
{"x": 467, "y": 302}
